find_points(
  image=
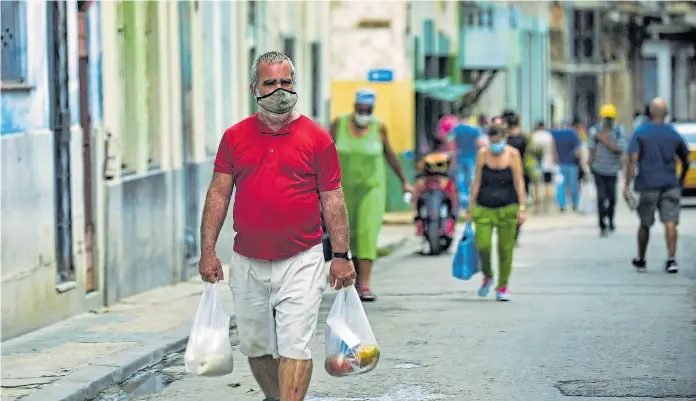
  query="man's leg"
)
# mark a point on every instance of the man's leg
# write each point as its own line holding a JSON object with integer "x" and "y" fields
{"x": 647, "y": 204}
{"x": 562, "y": 188}
{"x": 600, "y": 183}
{"x": 250, "y": 281}
{"x": 298, "y": 286}
{"x": 611, "y": 199}
{"x": 574, "y": 185}
{"x": 669, "y": 209}
{"x": 265, "y": 371}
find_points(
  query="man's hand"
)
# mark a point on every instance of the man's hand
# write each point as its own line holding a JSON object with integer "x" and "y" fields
{"x": 210, "y": 268}
{"x": 626, "y": 192}
{"x": 407, "y": 188}
{"x": 341, "y": 273}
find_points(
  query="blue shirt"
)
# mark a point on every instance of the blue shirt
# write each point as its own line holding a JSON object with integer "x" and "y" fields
{"x": 466, "y": 137}
{"x": 657, "y": 146}
{"x": 567, "y": 143}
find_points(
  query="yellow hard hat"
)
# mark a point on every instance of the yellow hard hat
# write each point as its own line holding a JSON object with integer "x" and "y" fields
{"x": 607, "y": 111}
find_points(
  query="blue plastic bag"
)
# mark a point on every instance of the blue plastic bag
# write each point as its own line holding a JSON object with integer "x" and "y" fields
{"x": 466, "y": 261}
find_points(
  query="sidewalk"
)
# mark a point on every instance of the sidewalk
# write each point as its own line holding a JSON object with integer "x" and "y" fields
{"x": 541, "y": 221}
{"x": 76, "y": 359}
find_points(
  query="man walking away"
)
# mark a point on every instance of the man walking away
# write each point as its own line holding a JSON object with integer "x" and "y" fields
{"x": 606, "y": 143}
{"x": 568, "y": 148}
{"x": 519, "y": 141}
{"x": 467, "y": 138}
{"x": 654, "y": 148}
{"x": 544, "y": 150}
{"x": 285, "y": 168}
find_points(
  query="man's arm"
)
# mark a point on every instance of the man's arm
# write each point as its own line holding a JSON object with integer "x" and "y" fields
{"x": 336, "y": 219}
{"x": 217, "y": 202}
{"x": 392, "y": 159}
{"x": 633, "y": 154}
{"x": 604, "y": 139}
{"x": 333, "y": 128}
{"x": 591, "y": 145}
{"x": 683, "y": 153}
{"x": 518, "y": 171}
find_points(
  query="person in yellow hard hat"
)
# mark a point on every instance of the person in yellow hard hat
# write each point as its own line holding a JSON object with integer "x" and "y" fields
{"x": 606, "y": 145}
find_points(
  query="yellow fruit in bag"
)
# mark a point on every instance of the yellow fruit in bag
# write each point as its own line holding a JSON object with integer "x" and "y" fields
{"x": 367, "y": 355}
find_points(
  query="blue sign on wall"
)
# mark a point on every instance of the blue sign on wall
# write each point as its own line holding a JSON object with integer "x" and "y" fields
{"x": 380, "y": 75}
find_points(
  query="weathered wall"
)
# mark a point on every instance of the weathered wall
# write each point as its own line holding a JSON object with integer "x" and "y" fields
{"x": 355, "y": 51}
{"x": 28, "y": 262}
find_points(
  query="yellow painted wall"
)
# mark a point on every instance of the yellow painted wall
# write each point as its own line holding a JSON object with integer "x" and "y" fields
{"x": 395, "y": 106}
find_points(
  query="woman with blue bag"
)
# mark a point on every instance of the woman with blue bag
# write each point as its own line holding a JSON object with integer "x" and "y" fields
{"x": 497, "y": 201}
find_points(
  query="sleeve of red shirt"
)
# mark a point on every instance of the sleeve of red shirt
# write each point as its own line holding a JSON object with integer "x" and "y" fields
{"x": 327, "y": 168}
{"x": 223, "y": 159}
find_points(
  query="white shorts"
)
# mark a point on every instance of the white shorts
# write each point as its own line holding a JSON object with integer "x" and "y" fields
{"x": 276, "y": 303}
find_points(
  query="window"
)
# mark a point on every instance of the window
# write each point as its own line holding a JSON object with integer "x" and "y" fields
{"x": 13, "y": 38}
{"x": 289, "y": 47}
{"x": 584, "y": 26}
{"x": 477, "y": 16}
{"x": 316, "y": 79}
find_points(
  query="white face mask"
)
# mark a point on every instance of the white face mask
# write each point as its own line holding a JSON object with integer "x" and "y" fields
{"x": 362, "y": 120}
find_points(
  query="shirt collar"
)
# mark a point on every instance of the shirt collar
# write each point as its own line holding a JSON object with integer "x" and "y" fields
{"x": 284, "y": 130}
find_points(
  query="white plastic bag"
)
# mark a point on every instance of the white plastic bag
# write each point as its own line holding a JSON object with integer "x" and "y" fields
{"x": 351, "y": 347}
{"x": 209, "y": 352}
{"x": 588, "y": 198}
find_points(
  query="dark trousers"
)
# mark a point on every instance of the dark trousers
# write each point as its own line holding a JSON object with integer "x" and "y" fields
{"x": 606, "y": 198}
{"x": 527, "y": 182}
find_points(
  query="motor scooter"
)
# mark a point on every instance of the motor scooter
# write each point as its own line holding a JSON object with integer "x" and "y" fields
{"x": 436, "y": 201}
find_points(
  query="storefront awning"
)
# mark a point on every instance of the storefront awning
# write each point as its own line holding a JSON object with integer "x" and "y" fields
{"x": 442, "y": 89}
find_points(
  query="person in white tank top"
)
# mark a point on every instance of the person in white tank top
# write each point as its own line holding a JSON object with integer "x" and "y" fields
{"x": 543, "y": 145}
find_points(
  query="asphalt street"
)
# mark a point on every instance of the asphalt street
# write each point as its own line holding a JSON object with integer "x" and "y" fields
{"x": 582, "y": 325}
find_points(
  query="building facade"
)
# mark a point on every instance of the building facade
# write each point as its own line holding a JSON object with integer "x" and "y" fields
{"x": 625, "y": 53}
{"x": 44, "y": 275}
{"x": 118, "y": 169}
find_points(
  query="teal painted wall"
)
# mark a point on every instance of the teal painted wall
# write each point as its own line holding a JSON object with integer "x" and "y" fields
{"x": 395, "y": 195}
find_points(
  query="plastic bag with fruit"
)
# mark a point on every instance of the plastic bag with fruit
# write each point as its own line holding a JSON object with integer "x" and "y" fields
{"x": 209, "y": 352}
{"x": 351, "y": 347}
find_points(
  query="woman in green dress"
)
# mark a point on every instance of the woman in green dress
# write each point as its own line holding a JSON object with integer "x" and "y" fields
{"x": 361, "y": 140}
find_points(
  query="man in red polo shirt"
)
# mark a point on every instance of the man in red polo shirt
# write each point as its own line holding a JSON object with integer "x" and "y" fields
{"x": 285, "y": 169}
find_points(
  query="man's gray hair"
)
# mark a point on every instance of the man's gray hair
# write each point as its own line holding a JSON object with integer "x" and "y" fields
{"x": 272, "y": 57}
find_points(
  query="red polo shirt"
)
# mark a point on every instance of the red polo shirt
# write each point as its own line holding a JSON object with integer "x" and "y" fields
{"x": 278, "y": 177}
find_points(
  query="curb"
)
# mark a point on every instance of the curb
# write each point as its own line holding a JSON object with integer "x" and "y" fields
{"x": 101, "y": 373}
{"x": 88, "y": 382}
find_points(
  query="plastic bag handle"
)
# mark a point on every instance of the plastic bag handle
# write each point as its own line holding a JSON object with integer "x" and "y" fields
{"x": 468, "y": 231}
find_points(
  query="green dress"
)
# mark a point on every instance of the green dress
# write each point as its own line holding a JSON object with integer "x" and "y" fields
{"x": 364, "y": 185}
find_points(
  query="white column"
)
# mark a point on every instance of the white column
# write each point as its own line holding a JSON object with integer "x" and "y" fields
{"x": 217, "y": 69}
{"x": 234, "y": 88}
{"x": 175, "y": 110}
{"x": 112, "y": 78}
{"x": 165, "y": 85}
{"x": 198, "y": 84}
